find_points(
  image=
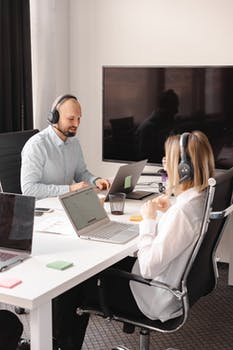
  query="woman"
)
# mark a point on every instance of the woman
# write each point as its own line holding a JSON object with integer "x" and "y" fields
{"x": 167, "y": 236}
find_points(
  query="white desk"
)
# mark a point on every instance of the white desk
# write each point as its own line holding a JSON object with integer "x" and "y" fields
{"x": 41, "y": 284}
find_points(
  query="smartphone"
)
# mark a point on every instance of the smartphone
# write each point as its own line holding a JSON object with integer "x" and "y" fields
{"x": 43, "y": 210}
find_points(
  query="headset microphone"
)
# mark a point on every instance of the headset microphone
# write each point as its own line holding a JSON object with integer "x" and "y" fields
{"x": 184, "y": 179}
{"x": 66, "y": 134}
{"x": 185, "y": 168}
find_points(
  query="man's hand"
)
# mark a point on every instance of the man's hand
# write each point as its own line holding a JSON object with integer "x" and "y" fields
{"x": 78, "y": 185}
{"x": 102, "y": 184}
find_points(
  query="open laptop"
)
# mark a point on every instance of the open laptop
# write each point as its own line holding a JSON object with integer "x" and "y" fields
{"x": 90, "y": 219}
{"x": 126, "y": 179}
{"x": 16, "y": 228}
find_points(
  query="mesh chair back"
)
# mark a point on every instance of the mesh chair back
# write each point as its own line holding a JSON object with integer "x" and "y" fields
{"x": 202, "y": 277}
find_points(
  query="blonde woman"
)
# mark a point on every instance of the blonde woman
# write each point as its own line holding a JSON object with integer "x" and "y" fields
{"x": 167, "y": 236}
{"x": 168, "y": 232}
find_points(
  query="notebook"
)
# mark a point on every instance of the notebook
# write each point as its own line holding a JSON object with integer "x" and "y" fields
{"x": 126, "y": 179}
{"x": 90, "y": 219}
{"x": 16, "y": 228}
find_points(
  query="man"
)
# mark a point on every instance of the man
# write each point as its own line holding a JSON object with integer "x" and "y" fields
{"x": 52, "y": 160}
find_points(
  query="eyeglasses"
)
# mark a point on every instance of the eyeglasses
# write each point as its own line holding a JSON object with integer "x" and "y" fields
{"x": 164, "y": 163}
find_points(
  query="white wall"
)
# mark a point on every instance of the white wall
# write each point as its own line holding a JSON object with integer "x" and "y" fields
{"x": 136, "y": 32}
{"x": 73, "y": 39}
{"x": 50, "y": 55}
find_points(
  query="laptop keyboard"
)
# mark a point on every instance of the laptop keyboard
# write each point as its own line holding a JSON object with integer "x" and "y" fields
{"x": 111, "y": 229}
{"x": 6, "y": 256}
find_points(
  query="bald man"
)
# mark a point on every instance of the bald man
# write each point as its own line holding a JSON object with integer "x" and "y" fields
{"x": 52, "y": 160}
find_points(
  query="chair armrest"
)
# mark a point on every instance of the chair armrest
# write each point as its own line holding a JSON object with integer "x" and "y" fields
{"x": 125, "y": 275}
{"x": 137, "y": 278}
{"x": 221, "y": 214}
{"x": 105, "y": 310}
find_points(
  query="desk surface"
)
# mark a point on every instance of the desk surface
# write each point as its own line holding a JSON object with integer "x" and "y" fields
{"x": 41, "y": 284}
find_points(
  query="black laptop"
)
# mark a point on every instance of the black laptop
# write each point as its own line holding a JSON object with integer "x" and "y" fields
{"x": 16, "y": 228}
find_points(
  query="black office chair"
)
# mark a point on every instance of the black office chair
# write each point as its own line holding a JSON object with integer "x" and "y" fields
{"x": 200, "y": 275}
{"x": 11, "y": 145}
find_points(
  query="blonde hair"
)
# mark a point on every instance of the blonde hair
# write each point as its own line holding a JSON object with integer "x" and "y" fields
{"x": 200, "y": 154}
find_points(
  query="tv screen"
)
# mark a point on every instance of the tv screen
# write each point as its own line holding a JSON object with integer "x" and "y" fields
{"x": 142, "y": 106}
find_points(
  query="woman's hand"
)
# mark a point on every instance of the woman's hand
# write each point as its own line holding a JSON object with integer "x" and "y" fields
{"x": 148, "y": 210}
{"x": 162, "y": 203}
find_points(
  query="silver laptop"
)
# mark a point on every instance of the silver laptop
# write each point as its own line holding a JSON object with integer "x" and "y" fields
{"x": 16, "y": 228}
{"x": 90, "y": 219}
{"x": 126, "y": 179}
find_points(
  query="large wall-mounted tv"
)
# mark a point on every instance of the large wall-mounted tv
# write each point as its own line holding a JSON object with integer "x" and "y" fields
{"x": 143, "y": 105}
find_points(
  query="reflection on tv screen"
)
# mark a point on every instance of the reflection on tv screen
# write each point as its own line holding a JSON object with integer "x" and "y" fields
{"x": 142, "y": 106}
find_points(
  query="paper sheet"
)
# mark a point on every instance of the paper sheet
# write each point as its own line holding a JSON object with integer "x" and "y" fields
{"x": 55, "y": 222}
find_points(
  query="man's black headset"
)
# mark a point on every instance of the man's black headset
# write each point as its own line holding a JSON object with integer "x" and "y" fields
{"x": 53, "y": 115}
{"x": 185, "y": 168}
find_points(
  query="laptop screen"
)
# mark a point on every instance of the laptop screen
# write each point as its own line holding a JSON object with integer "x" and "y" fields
{"x": 83, "y": 207}
{"x": 127, "y": 177}
{"x": 16, "y": 221}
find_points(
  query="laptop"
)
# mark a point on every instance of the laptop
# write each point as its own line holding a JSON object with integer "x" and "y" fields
{"x": 90, "y": 219}
{"x": 126, "y": 179}
{"x": 16, "y": 228}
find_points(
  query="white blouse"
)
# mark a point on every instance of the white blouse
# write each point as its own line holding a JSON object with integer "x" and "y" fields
{"x": 164, "y": 247}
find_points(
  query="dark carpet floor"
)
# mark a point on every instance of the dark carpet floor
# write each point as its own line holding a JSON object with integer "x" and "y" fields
{"x": 209, "y": 326}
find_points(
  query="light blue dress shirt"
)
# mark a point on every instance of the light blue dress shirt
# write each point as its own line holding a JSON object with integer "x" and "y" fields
{"x": 50, "y": 165}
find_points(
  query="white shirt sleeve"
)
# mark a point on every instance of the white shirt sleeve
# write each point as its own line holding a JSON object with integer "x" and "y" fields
{"x": 160, "y": 243}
